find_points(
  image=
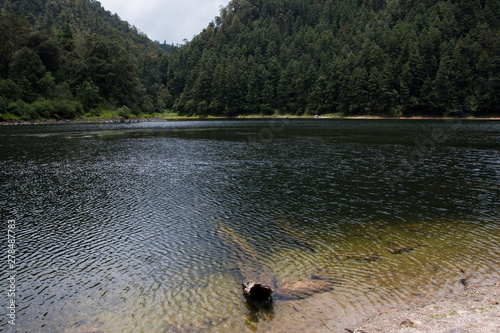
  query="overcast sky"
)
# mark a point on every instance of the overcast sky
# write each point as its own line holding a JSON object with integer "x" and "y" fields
{"x": 170, "y": 20}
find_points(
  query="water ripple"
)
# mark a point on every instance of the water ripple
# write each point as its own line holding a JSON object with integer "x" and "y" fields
{"x": 118, "y": 224}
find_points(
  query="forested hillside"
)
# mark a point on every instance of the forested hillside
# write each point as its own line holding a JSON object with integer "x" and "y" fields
{"x": 356, "y": 57}
{"x": 67, "y": 58}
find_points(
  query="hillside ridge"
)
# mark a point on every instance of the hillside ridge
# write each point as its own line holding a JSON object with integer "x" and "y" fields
{"x": 366, "y": 57}
{"x": 428, "y": 58}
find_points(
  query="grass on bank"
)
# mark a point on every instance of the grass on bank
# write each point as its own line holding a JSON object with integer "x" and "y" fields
{"x": 50, "y": 111}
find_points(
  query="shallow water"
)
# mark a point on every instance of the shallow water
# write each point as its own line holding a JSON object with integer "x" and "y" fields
{"x": 117, "y": 224}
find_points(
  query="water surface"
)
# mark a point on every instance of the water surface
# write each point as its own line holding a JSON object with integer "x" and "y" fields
{"x": 117, "y": 224}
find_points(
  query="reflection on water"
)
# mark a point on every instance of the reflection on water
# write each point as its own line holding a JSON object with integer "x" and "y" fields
{"x": 117, "y": 224}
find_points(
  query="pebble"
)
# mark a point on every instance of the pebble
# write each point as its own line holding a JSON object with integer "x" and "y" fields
{"x": 407, "y": 322}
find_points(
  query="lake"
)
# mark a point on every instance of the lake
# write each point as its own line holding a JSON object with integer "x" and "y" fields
{"x": 117, "y": 225}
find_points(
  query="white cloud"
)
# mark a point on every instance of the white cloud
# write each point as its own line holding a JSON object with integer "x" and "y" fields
{"x": 167, "y": 20}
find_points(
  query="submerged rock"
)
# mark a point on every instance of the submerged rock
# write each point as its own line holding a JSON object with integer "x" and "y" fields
{"x": 301, "y": 289}
{"x": 361, "y": 257}
{"x": 413, "y": 227}
{"x": 407, "y": 323}
{"x": 396, "y": 248}
{"x": 214, "y": 321}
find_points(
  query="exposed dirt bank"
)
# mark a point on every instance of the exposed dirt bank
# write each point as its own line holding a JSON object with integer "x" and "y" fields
{"x": 477, "y": 310}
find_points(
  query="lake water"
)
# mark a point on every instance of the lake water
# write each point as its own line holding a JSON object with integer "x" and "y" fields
{"x": 117, "y": 224}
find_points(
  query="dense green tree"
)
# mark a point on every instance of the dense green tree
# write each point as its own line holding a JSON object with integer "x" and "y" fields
{"x": 292, "y": 56}
{"x": 6, "y": 50}
{"x": 356, "y": 57}
{"x": 357, "y": 92}
{"x": 26, "y": 69}
{"x": 88, "y": 95}
{"x": 74, "y": 54}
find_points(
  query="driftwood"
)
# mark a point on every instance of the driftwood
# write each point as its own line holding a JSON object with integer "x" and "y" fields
{"x": 293, "y": 237}
{"x": 259, "y": 281}
{"x": 301, "y": 289}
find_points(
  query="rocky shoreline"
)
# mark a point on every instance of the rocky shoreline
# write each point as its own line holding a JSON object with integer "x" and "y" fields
{"x": 162, "y": 119}
{"x": 81, "y": 121}
{"x": 477, "y": 310}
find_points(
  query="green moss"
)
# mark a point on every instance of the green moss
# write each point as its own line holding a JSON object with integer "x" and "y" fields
{"x": 10, "y": 116}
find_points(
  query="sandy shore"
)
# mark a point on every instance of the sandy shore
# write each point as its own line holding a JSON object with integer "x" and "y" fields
{"x": 477, "y": 310}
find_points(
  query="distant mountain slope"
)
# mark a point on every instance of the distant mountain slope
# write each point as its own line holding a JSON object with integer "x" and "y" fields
{"x": 383, "y": 57}
{"x": 60, "y": 59}
{"x": 65, "y": 58}
{"x": 83, "y": 16}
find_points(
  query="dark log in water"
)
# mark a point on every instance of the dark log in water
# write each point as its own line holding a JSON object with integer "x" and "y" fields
{"x": 294, "y": 237}
{"x": 301, "y": 289}
{"x": 327, "y": 275}
{"x": 258, "y": 280}
{"x": 258, "y": 292}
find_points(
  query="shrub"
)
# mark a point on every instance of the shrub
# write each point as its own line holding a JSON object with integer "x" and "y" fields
{"x": 68, "y": 109}
{"x": 88, "y": 95}
{"x": 45, "y": 109}
{"x": 22, "y": 110}
{"x": 95, "y": 112}
{"x": 124, "y": 112}
{"x": 190, "y": 107}
{"x": 4, "y": 104}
